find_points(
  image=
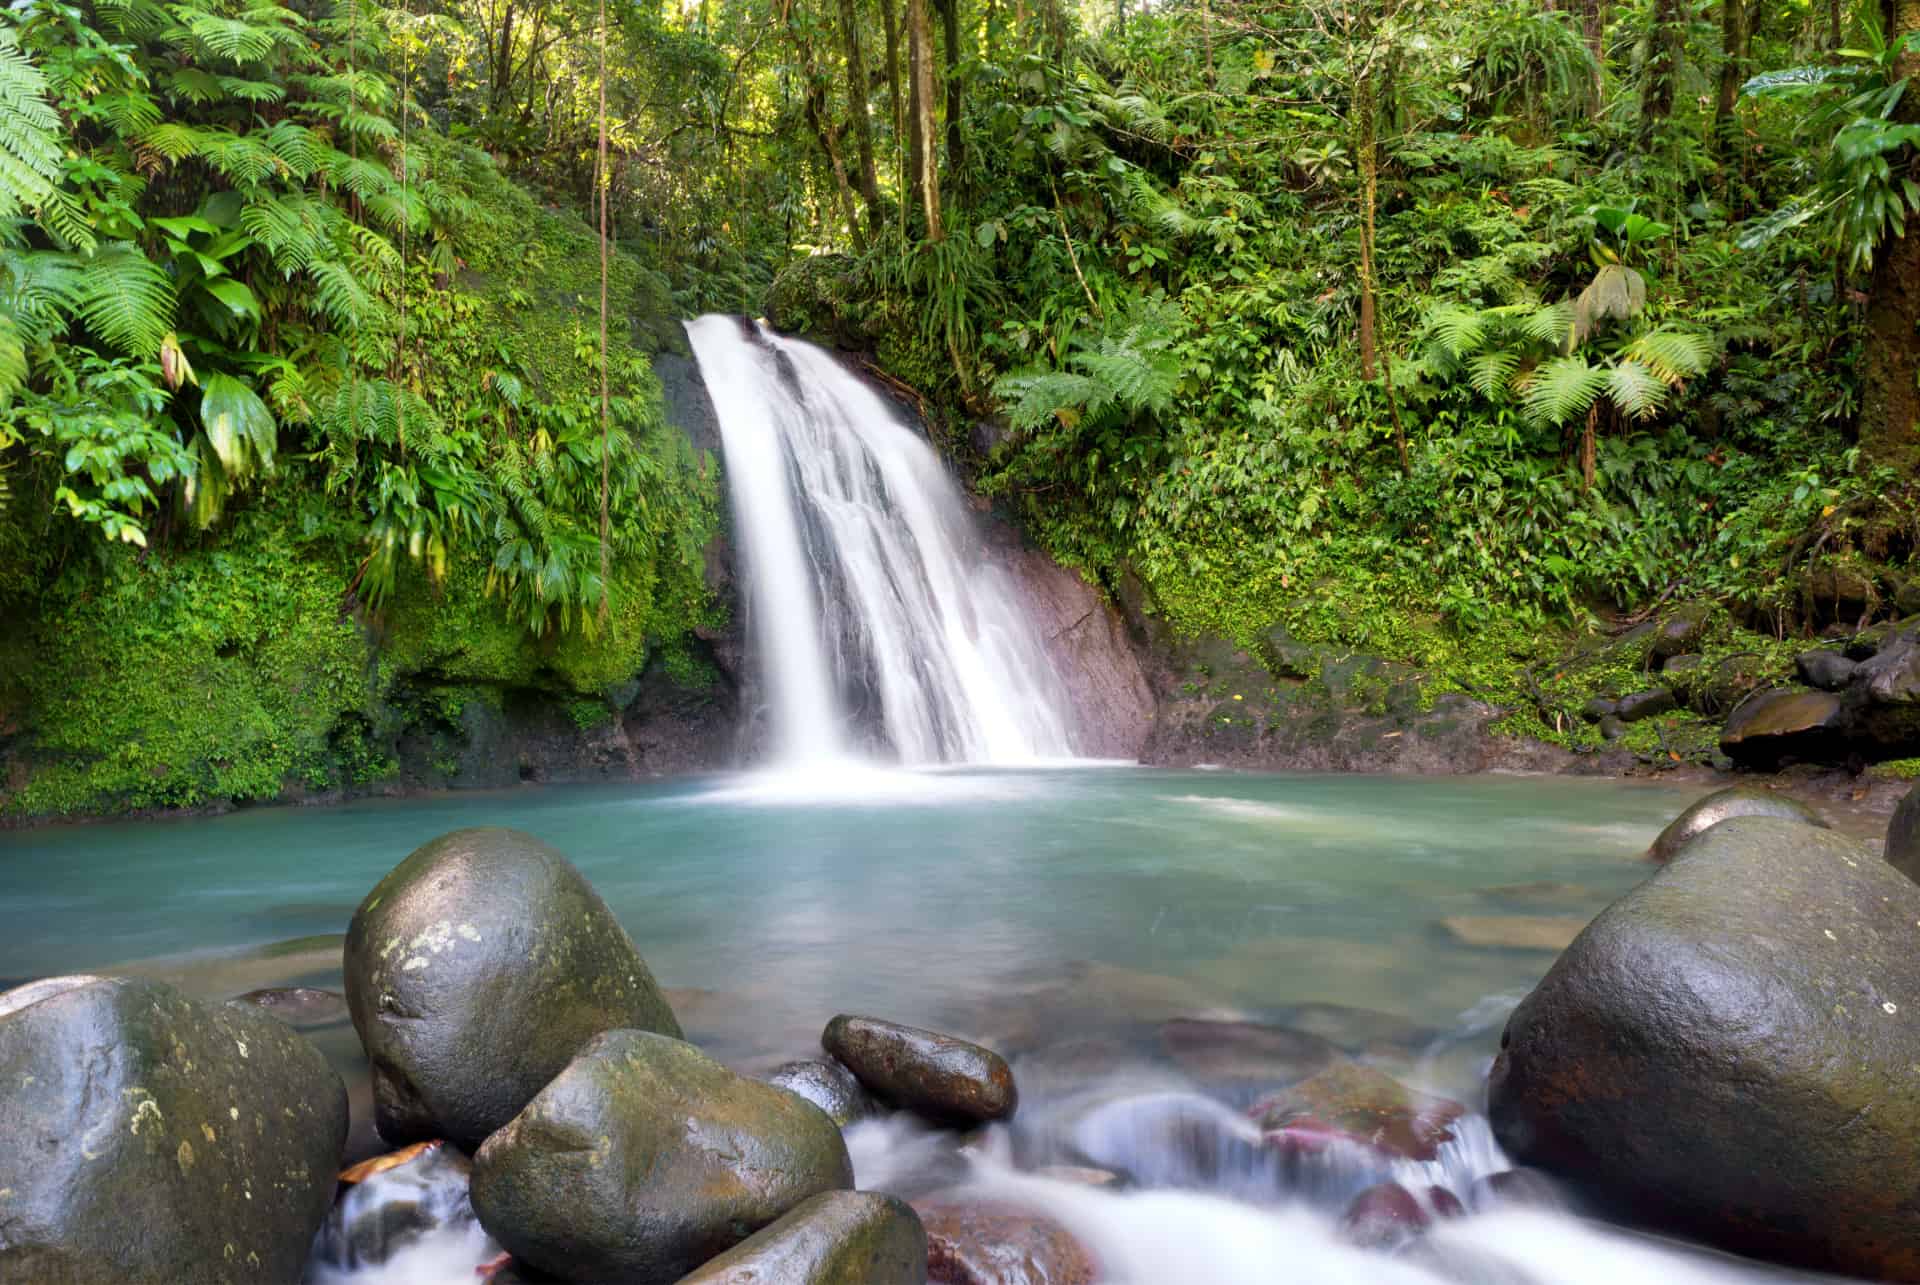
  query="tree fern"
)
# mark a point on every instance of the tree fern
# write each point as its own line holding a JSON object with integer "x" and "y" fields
{"x": 1562, "y": 389}
{"x": 29, "y": 132}
{"x": 1673, "y": 356}
{"x": 1458, "y": 331}
{"x": 13, "y": 362}
{"x": 1635, "y": 390}
{"x": 126, "y": 298}
{"x": 1491, "y": 373}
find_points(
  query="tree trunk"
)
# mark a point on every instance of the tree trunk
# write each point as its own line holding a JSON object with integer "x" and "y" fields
{"x": 1736, "y": 36}
{"x": 1593, "y": 19}
{"x": 820, "y": 117}
{"x": 503, "y": 64}
{"x": 1889, "y": 424}
{"x": 956, "y": 104}
{"x": 858, "y": 91}
{"x": 890, "y": 22}
{"x": 925, "y": 155}
{"x": 1663, "y": 66}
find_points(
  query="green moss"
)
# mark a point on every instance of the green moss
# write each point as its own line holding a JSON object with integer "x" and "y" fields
{"x": 1898, "y": 769}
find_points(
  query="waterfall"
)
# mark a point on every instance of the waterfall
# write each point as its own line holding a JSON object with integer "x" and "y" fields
{"x": 881, "y": 626}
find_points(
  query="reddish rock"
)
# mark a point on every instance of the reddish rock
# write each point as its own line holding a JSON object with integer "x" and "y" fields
{"x": 1360, "y": 1105}
{"x": 986, "y": 1244}
{"x": 1389, "y": 1212}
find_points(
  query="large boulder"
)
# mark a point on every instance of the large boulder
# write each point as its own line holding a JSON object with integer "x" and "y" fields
{"x": 1681, "y": 631}
{"x": 1783, "y": 726}
{"x": 835, "y": 1238}
{"x": 1882, "y": 699}
{"x": 149, "y": 1139}
{"x": 1361, "y": 1107}
{"x": 975, "y": 1243}
{"x": 1722, "y": 805}
{"x": 475, "y": 971}
{"x": 1728, "y": 1052}
{"x": 645, "y": 1158}
{"x": 934, "y": 1075}
{"x": 1903, "y": 836}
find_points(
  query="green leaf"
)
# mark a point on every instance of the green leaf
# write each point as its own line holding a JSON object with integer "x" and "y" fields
{"x": 237, "y": 296}
{"x": 239, "y": 427}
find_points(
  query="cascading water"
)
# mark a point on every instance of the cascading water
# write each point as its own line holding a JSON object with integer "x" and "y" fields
{"x": 880, "y": 627}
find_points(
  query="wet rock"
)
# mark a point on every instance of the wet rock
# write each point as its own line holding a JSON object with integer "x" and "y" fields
{"x": 1783, "y": 726}
{"x": 475, "y": 970}
{"x": 1684, "y": 675}
{"x": 934, "y": 1075}
{"x": 1081, "y": 1175}
{"x": 988, "y": 1244}
{"x": 1359, "y": 1105}
{"x": 1866, "y": 643}
{"x": 302, "y": 1007}
{"x": 1245, "y": 1054}
{"x": 1647, "y": 704}
{"x": 1882, "y": 701}
{"x": 1728, "y": 1052}
{"x": 1903, "y": 836}
{"x": 1836, "y": 593}
{"x": 1514, "y": 932}
{"x": 1612, "y": 727}
{"x": 394, "y": 1201}
{"x": 644, "y": 1158}
{"x": 1365, "y": 1030}
{"x": 1735, "y": 801}
{"x": 150, "y": 1139}
{"x": 1682, "y": 630}
{"x": 1824, "y": 669}
{"x": 1598, "y": 708}
{"x": 835, "y": 1238}
{"x": 1388, "y": 1213}
{"x": 1730, "y": 681}
{"x": 829, "y": 1086}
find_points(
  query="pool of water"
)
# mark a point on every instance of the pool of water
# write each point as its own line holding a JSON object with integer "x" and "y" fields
{"x": 1060, "y": 914}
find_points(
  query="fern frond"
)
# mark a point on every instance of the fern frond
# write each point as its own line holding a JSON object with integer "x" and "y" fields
{"x": 1550, "y": 323}
{"x": 1674, "y": 356}
{"x": 29, "y": 131}
{"x": 13, "y": 363}
{"x": 173, "y": 141}
{"x": 126, "y": 298}
{"x": 1636, "y": 390}
{"x": 340, "y": 296}
{"x": 1490, "y": 373}
{"x": 1562, "y": 389}
{"x": 1459, "y": 331}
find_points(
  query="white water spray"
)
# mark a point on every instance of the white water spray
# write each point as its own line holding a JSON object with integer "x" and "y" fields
{"x": 879, "y": 624}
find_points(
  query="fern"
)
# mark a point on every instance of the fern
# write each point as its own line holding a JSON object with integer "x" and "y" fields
{"x": 340, "y": 296}
{"x": 13, "y": 362}
{"x": 1458, "y": 331}
{"x": 29, "y": 132}
{"x": 173, "y": 141}
{"x": 126, "y": 298}
{"x": 1673, "y": 356}
{"x": 1636, "y": 390}
{"x": 1562, "y": 389}
{"x": 1490, "y": 373}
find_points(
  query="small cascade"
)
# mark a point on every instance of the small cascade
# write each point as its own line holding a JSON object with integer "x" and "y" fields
{"x": 882, "y": 630}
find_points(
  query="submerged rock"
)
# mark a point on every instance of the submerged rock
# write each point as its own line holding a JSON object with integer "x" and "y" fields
{"x": 933, "y": 1075}
{"x": 1514, "y": 932}
{"x": 835, "y": 1238}
{"x": 829, "y": 1086}
{"x": 1735, "y": 801}
{"x": 1361, "y": 1106}
{"x": 644, "y": 1158}
{"x": 1246, "y": 1054}
{"x": 970, "y": 1243}
{"x": 475, "y": 970}
{"x": 302, "y": 1007}
{"x": 1777, "y": 727}
{"x": 394, "y": 1201}
{"x": 1728, "y": 1052}
{"x": 1387, "y": 1213}
{"x": 150, "y": 1139}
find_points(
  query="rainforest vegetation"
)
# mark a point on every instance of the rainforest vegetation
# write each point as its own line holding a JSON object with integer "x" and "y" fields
{"x": 1455, "y": 327}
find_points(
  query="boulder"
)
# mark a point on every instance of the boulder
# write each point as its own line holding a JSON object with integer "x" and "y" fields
{"x": 1361, "y": 1106}
{"x": 1773, "y": 728}
{"x": 1883, "y": 698}
{"x": 1680, "y": 631}
{"x": 475, "y": 971}
{"x": 1834, "y": 592}
{"x": 934, "y": 1075}
{"x": 1684, "y": 674}
{"x": 835, "y": 1238}
{"x": 1735, "y": 801}
{"x": 645, "y": 1158}
{"x": 1903, "y": 836}
{"x": 150, "y": 1139}
{"x": 394, "y": 1201}
{"x": 1612, "y": 727}
{"x": 1597, "y": 708}
{"x": 1728, "y": 1052}
{"x": 970, "y": 1243}
{"x": 1824, "y": 668}
{"x": 1730, "y": 681}
{"x": 829, "y": 1086}
{"x": 1647, "y": 704}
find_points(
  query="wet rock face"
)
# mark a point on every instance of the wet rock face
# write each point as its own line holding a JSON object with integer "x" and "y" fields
{"x": 1681, "y": 631}
{"x": 934, "y": 1075}
{"x": 1728, "y": 1052}
{"x": 150, "y": 1139}
{"x": 829, "y": 1086}
{"x": 1825, "y": 669}
{"x": 1358, "y": 1105}
{"x": 1903, "y": 836}
{"x": 645, "y": 1158}
{"x": 1773, "y": 728}
{"x": 836, "y": 1238}
{"x": 1721, "y": 805}
{"x": 399, "y": 1200}
{"x": 475, "y": 970}
{"x": 989, "y": 1244}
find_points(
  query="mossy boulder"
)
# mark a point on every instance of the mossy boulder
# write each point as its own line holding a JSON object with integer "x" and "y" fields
{"x": 1770, "y": 729}
{"x": 148, "y": 1139}
{"x": 1723, "y": 805}
{"x": 1728, "y": 1052}
{"x": 835, "y": 1238}
{"x": 1680, "y": 631}
{"x": 475, "y": 971}
{"x": 645, "y": 1158}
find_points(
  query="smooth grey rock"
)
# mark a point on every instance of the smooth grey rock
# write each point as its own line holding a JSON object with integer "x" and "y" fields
{"x": 934, "y": 1075}
{"x": 1824, "y": 668}
{"x": 301, "y": 1007}
{"x": 475, "y": 971}
{"x": 1647, "y": 704}
{"x": 1903, "y": 836}
{"x": 1598, "y": 708}
{"x": 150, "y": 1139}
{"x": 645, "y": 1158}
{"x": 1612, "y": 727}
{"x": 1728, "y": 1052}
{"x": 1773, "y": 728}
{"x": 836, "y": 1238}
{"x": 1734, "y": 801}
{"x": 1681, "y": 631}
{"x": 829, "y": 1086}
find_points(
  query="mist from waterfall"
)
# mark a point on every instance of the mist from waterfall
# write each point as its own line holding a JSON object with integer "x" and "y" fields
{"x": 881, "y": 627}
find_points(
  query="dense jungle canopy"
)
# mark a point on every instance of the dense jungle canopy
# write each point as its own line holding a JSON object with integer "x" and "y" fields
{"x": 1440, "y": 325}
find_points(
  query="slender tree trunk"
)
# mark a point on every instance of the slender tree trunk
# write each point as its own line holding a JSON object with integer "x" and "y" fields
{"x": 1663, "y": 67}
{"x": 1593, "y": 18}
{"x": 503, "y": 64}
{"x": 819, "y": 116}
{"x": 925, "y": 156}
{"x": 859, "y": 90}
{"x": 890, "y": 22}
{"x": 1736, "y": 37}
{"x": 1120, "y": 17}
{"x": 1889, "y": 424}
{"x": 1836, "y": 26}
{"x": 956, "y": 105}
